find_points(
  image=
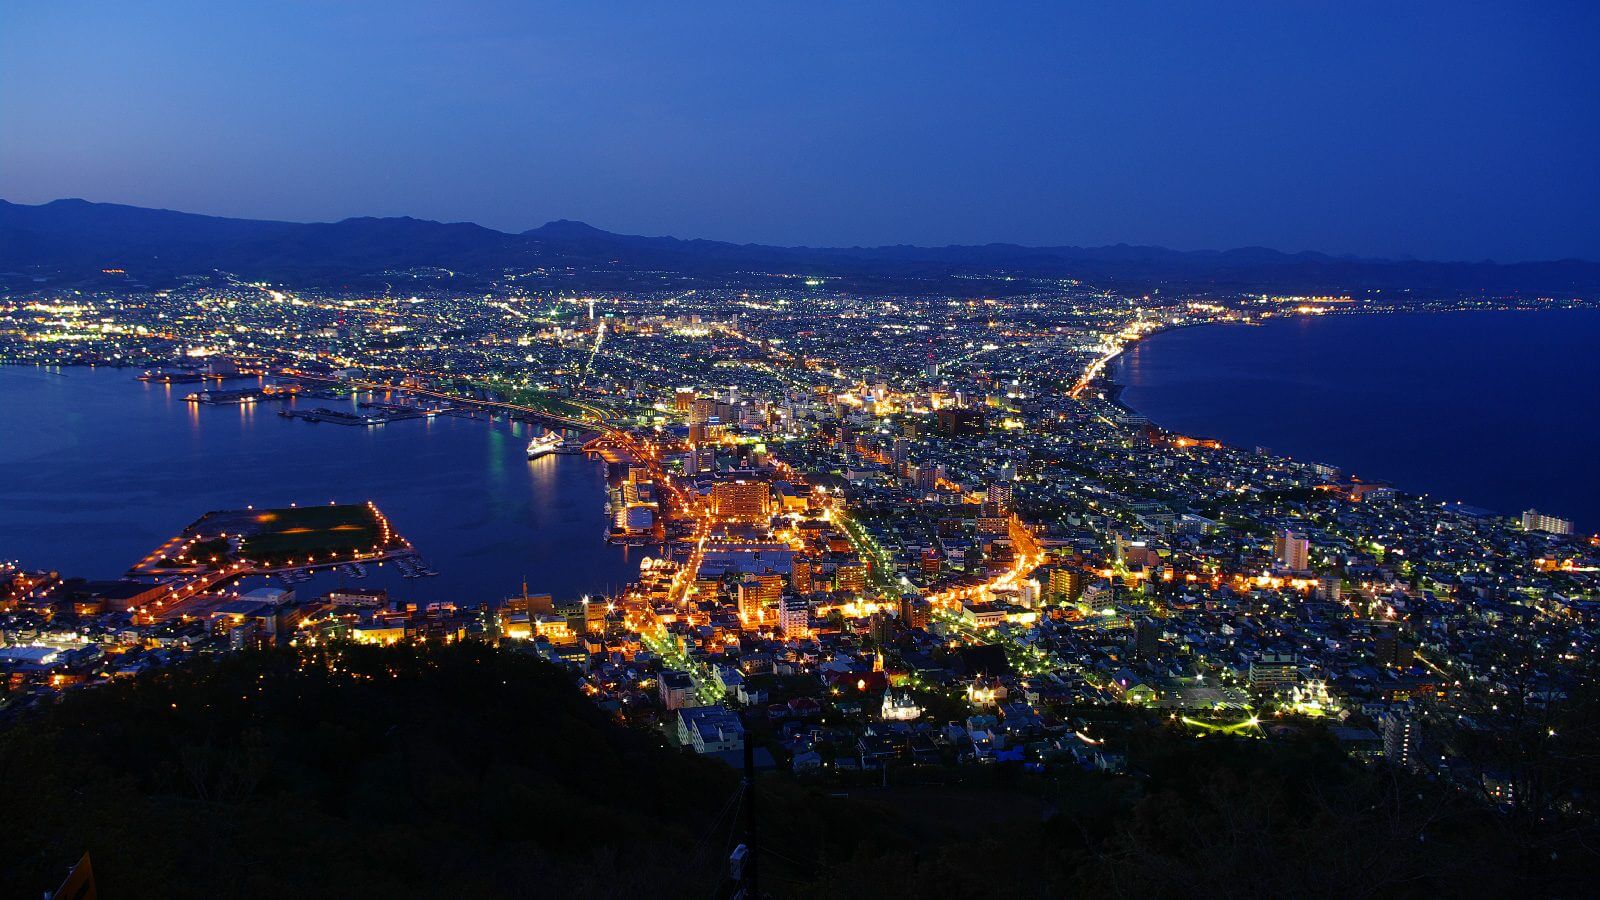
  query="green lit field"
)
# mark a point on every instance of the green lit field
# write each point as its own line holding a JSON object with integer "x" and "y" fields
{"x": 545, "y": 401}
{"x": 303, "y": 535}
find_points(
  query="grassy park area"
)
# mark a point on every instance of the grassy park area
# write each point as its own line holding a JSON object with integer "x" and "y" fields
{"x": 298, "y": 535}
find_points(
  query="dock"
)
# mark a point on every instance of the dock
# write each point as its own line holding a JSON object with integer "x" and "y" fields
{"x": 321, "y": 414}
{"x": 227, "y": 398}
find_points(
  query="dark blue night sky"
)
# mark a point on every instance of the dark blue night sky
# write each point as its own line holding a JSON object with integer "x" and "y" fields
{"x": 1437, "y": 130}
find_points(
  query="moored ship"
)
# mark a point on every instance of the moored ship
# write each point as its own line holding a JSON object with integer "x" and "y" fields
{"x": 549, "y": 443}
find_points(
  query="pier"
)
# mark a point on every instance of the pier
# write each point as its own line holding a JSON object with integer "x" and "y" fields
{"x": 323, "y": 414}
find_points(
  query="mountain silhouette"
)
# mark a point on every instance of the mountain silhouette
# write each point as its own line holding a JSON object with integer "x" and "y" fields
{"x": 76, "y": 239}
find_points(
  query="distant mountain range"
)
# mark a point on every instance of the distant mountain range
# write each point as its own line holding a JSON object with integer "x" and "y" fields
{"x": 76, "y": 239}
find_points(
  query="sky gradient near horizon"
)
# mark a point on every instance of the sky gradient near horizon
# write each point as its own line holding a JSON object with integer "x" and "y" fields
{"x": 1427, "y": 129}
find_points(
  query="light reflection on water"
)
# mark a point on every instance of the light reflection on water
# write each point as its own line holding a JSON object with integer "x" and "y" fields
{"x": 97, "y": 468}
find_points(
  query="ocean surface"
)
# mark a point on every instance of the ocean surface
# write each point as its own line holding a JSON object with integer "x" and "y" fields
{"x": 1499, "y": 410}
{"x": 97, "y": 469}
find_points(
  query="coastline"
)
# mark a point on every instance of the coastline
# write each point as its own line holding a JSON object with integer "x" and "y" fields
{"x": 1113, "y": 388}
{"x": 513, "y": 503}
{"x": 1115, "y": 385}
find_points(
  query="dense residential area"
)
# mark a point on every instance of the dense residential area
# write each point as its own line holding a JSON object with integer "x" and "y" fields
{"x": 898, "y": 540}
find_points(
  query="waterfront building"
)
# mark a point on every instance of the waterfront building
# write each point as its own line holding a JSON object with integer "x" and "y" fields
{"x": 1533, "y": 520}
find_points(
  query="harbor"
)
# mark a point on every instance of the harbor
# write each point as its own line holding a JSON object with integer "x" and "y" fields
{"x": 459, "y": 486}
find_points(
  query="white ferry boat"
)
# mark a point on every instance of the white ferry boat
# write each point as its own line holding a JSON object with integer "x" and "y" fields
{"x": 549, "y": 443}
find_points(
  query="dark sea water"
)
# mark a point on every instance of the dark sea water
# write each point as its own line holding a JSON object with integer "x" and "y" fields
{"x": 1496, "y": 409}
{"x": 97, "y": 469}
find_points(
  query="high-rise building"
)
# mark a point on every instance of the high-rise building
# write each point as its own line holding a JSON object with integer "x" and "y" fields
{"x": 742, "y": 501}
{"x": 1330, "y": 587}
{"x": 1391, "y": 649}
{"x": 711, "y": 411}
{"x": 953, "y": 421}
{"x": 794, "y": 617}
{"x": 1065, "y": 584}
{"x": 882, "y": 628}
{"x": 1292, "y": 549}
{"x": 851, "y": 577}
{"x": 1147, "y": 639}
{"x": 1003, "y": 496}
{"x": 1402, "y": 739}
{"x": 1533, "y": 520}
{"x": 759, "y": 596}
{"x": 801, "y": 571}
{"x": 991, "y": 524}
{"x": 914, "y": 612}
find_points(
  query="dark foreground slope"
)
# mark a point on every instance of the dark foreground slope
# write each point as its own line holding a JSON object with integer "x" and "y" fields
{"x": 362, "y": 772}
{"x": 464, "y": 771}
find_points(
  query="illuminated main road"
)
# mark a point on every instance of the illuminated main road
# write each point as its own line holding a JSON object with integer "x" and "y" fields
{"x": 555, "y": 418}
